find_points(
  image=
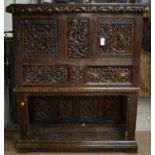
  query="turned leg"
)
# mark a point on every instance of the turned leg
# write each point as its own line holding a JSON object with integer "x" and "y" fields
{"x": 23, "y": 116}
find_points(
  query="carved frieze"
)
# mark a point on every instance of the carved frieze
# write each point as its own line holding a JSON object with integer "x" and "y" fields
{"x": 117, "y": 38}
{"x": 77, "y": 8}
{"x": 77, "y": 37}
{"x": 108, "y": 74}
{"x": 41, "y": 38}
{"x": 46, "y": 74}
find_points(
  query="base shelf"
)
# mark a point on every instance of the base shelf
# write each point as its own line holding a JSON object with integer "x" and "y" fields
{"x": 77, "y": 132}
{"x": 76, "y": 137}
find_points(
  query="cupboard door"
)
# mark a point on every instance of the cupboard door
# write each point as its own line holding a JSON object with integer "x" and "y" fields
{"x": 39, "y": 38}
{"x": 115, "y": 37}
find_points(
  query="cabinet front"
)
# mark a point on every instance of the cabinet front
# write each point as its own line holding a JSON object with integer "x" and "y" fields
{"x": 77, "y": 50}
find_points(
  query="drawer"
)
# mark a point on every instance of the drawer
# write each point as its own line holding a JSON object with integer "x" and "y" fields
{"x": 86, "y": 75}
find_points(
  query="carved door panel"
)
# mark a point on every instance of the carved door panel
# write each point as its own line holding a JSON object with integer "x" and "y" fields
{"x": 118, "y": 35}
{"x": 40, "y": 38}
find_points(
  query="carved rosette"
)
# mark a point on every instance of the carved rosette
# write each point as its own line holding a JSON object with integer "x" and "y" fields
{"x": 109, "y": 74}
{"x": 117, "y": 38}
{"x": 77, "y": 38}
{"x": 46, "y": 74}
{"x": 77, "y": 74}
{"x": 41, "y": 38}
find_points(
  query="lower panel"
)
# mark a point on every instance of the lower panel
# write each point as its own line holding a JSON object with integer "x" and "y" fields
{"x": 77, "y": 109}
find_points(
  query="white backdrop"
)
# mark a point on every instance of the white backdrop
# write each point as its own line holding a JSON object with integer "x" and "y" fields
{"x": 7, "y": 16}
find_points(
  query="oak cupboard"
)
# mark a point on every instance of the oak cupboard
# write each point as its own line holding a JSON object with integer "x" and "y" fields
{"x": 76, "y": 71}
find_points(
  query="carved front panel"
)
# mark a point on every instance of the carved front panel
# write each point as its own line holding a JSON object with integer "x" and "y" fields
{"x": 118, "y": 38}
{"x": 109, "y": 74}
{"x": 64, "y": 111}
{"x": 76, "y": 109}
{"x": 40, "y": 39}
{"x": 45, "y": 74}
{"x": 88, "y": 109}
{"x": 111, "y": 108}
{"x": 40, "y": 110}
{"x": 77, "y": 37}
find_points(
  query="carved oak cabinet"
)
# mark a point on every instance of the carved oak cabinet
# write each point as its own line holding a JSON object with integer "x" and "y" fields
{"x": 76, "y": 70}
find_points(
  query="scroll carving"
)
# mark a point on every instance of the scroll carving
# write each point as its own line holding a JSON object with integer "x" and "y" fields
{"x": 46, "y": 74}
{"x": 78, "y": 8}
{"x": 109, "y": 74}
{"x": 41, "y": 38}
{"x": 118, "y": 38}
{"x": 77, "y": 41}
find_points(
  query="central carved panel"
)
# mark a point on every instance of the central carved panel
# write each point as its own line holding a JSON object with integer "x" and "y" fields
{"x": 109, "y": 74}
{"x": 117, "y": 38}
{"x": 46, "y": 74}
{"x": 41, "y": 38}
{"x": 77, "y": 38}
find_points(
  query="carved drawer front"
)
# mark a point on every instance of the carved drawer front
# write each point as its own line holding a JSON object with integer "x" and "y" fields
{"x": 115, "y": 36}
{"x": 39, "y": 38}
{"x": 109, "y": 74}
{"x": 76, "y": 75}
{"x": 45, "y": 75}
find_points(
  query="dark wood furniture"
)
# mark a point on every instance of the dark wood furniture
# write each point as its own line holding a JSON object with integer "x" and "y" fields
{"x": 76, "y": 70}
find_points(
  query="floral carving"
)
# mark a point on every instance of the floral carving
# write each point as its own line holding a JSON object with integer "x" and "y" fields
{"x": 117, "y": 38}
{"x": 41, "y": 38}
{"x": 46, "y": 74}
{"x": 77, "y": 74}
{"x": 77, "y": 42}
{"x": 109, "y": 74}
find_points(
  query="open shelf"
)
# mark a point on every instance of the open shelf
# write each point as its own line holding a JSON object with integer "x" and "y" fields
{"x": 76, "y": 137}
{"x": 77, "y": 132}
